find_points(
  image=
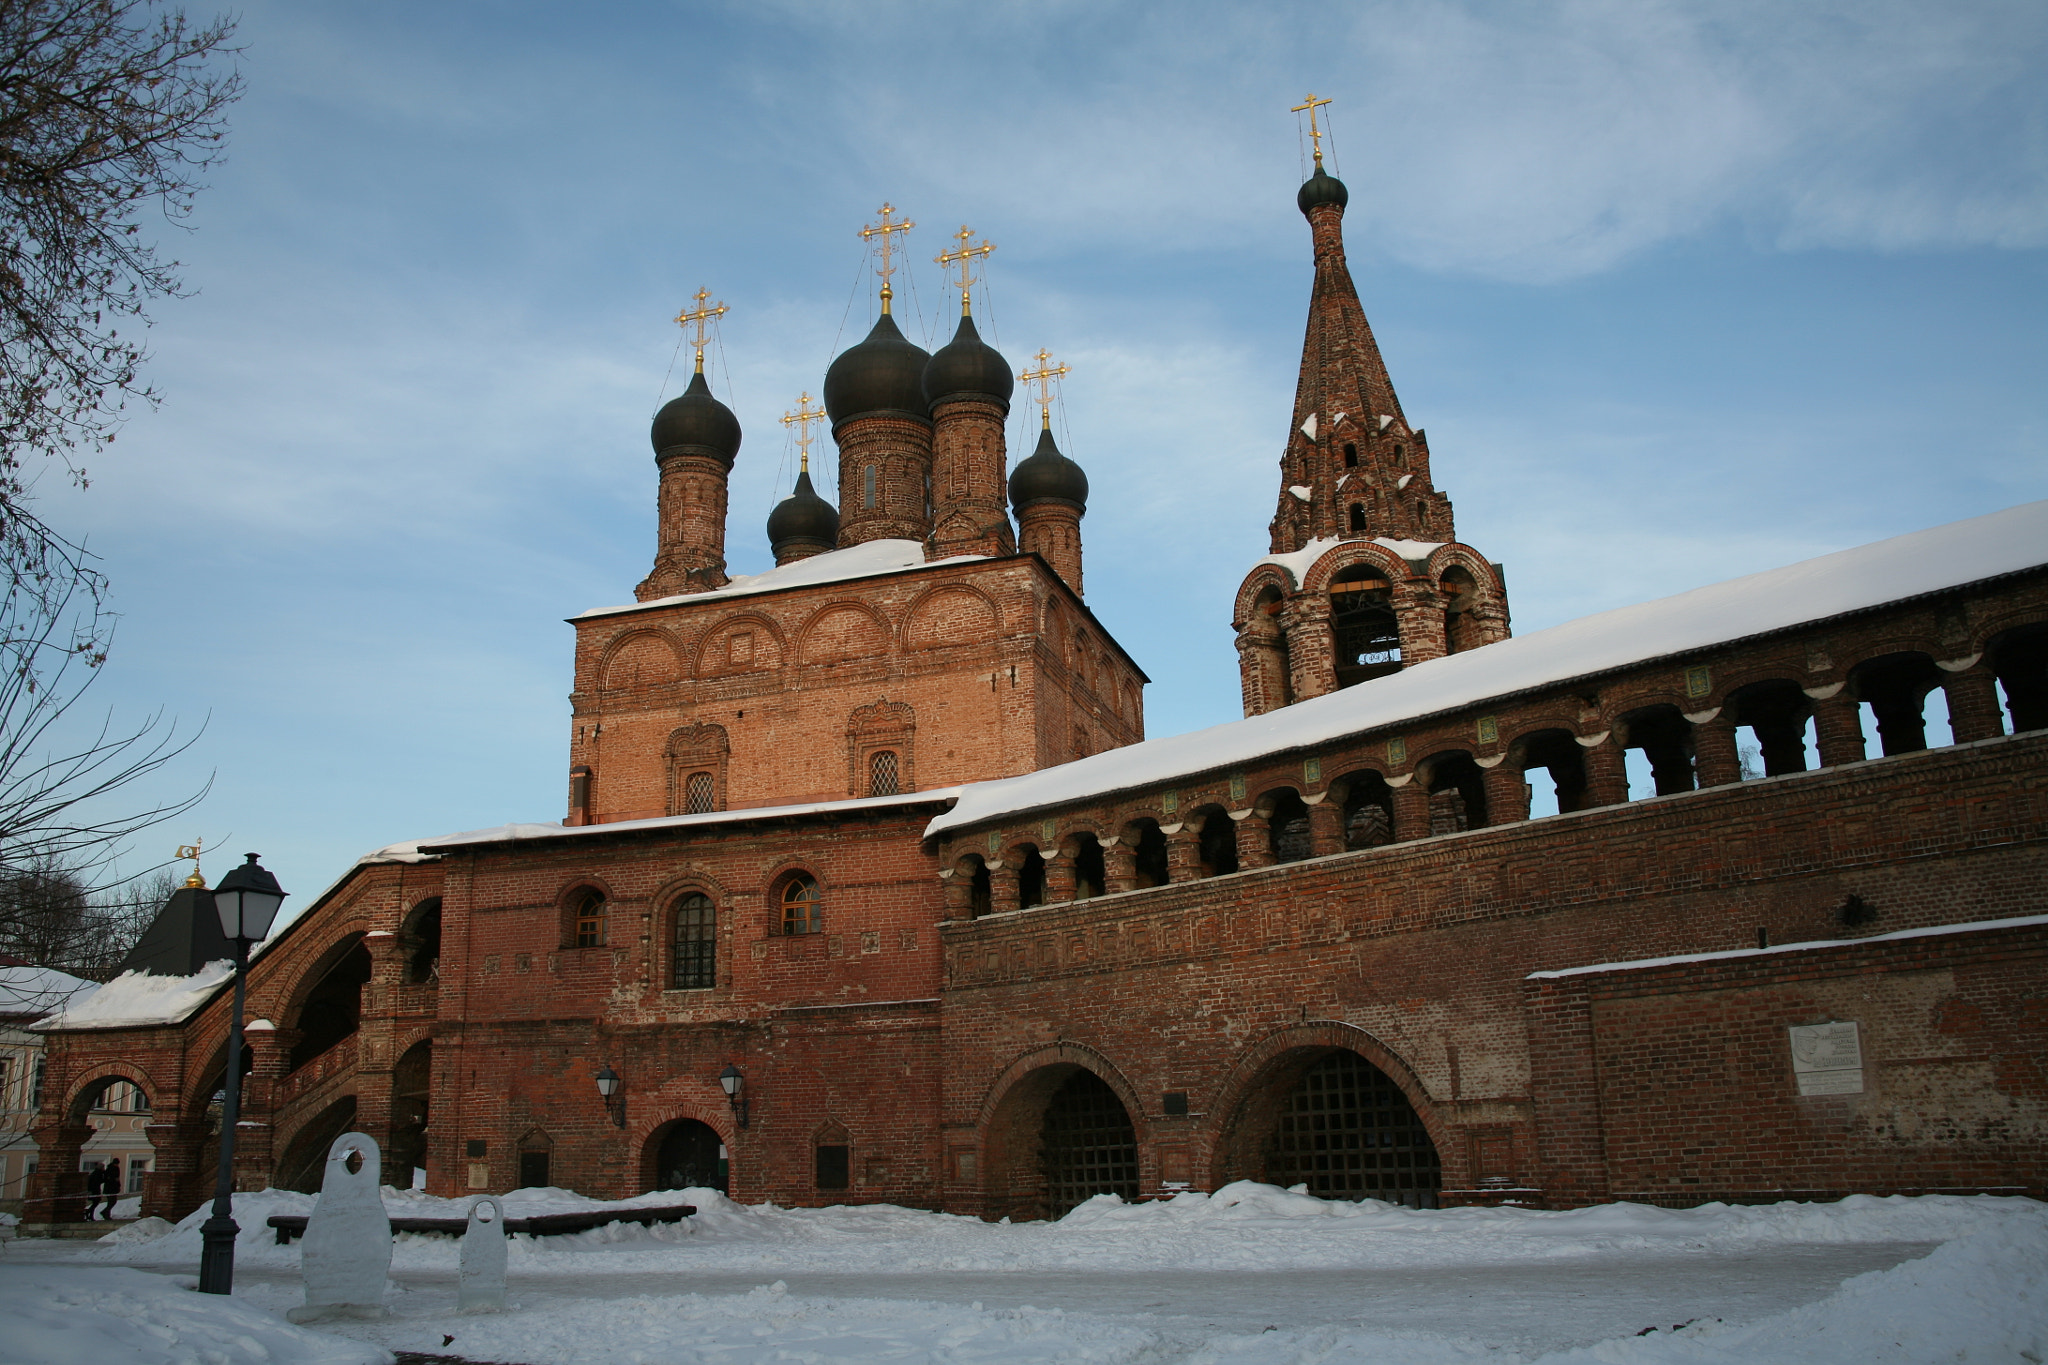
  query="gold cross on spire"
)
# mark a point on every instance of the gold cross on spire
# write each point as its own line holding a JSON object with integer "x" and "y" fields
{"x": 192, "y": 850}
{"x": 801, "y": 419}
{"x": 1314, "y": 133}
{"x": 885, "y": 246}
{"x": 702, "y": 316}
{"x": 1044, "y": 376}
{"x": 965, "y": 258}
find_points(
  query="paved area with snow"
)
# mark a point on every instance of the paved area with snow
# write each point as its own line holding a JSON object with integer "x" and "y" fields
{"x": 1250, "y": 1274}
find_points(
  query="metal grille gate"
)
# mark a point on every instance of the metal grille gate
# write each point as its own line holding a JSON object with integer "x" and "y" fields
{"x": 1088, "y": 1146}
{"x": 1347, "y": 1132}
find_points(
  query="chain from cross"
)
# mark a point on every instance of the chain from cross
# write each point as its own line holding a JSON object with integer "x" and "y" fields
{"x": 702, "y": 316}
{"x": 965, "y": 258}
{"x": 886, "y": 247}
{"x": 1314, "y": 133}
{"x": 802, "y": 419}
{"x": 1044, "y": 377}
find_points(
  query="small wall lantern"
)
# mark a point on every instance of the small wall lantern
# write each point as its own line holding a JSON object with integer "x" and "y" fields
{"x": 734, "y": 1085}
{"x": 608, "y": 1083}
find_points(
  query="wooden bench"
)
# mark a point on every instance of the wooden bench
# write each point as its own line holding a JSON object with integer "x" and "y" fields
{"x": 291, "y": 1226}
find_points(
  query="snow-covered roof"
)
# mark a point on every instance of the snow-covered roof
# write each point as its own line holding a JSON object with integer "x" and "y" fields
{"x": 1777, "y": 599}
{"x": 504, "y": 834}
{"x": 834, "y": 566}
{"x": 38, "y": 990}
{"x": 138, "y": 998}
{"x": 1811, "y": 945}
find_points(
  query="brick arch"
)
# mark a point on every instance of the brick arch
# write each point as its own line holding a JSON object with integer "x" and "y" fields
{"x": 676, "y": 1100}
{"x": 1012, "y": 1111}
{"x": 1056, "y": 1054}
{"x": 1255, "y": 585}
{"x": 647, "y": 657}
{"x": 951, "y": 615}
{"x": 163, "y": 1103}
{"x": 844, "y": 630}
{"x": 304, "y": 981}
{"x": 1350, "y": 553}
{"x": 1992, "y": 624}
{"x": 719, "y": 653}
{"x": 1263, "y": 1067}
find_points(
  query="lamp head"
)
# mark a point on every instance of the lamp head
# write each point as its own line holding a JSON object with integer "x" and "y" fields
{"x": 608, "y": 1082}
{"x": 247, "y": 900}
{"x": 730, "y": 1080}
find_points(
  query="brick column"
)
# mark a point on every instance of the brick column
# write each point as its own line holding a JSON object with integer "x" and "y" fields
{"x": 1838, "y": 726}
{"x": 1325, "y": 828}
{"x": 1606, "y": 774}
{"x": 1973, "y": 711}
{"x": 1311, "y": 653}
{"x": 1714, "y": 758}
{"x": 1411, "y": 812}
{"x": 1507, "y": 795}
{"x": 1254, "y": 842}
{"x": 1002, "y": 887}
{"x": 56, "y": 1192}
{"x": 1184, "y": 854}
{"x": 958, "y": 893}
{"x": 1421, "y": 618}
{"x": 1059, "y": 878}
{"x": 1261, "y": 668}
{"x": 1119, "y": 867}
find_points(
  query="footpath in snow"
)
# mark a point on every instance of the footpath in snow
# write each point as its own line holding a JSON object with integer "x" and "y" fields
{"x": 1332, "y": 1276}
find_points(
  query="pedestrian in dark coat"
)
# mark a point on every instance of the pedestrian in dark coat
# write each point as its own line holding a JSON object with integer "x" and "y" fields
{"x": 110, "y": 1185}
{"x": 95, "y": 1182}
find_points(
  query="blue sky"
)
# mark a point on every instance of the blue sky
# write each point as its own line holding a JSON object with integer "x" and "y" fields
{"x": 1680, "y": 291}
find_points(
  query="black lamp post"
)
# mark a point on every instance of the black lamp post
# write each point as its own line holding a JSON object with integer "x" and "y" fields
{"x": 734, "y": 1085}
{"x": 608, "y": 1083}
{"x": 246, "y": 901}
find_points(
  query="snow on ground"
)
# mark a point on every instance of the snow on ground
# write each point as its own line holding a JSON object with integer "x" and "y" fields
{"x": 880, "y": 1283}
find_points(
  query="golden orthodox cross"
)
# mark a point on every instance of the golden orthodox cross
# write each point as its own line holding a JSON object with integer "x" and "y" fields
{"x": 801, "y": 419}
{"x": 885, "y": 246}
{"x": 1314, "y": 133}
{"x": 191, "y": 851}
{"x": 965, "y": 258}
{"x": 701, "y": 316}
{"x": 1044, "y": 376}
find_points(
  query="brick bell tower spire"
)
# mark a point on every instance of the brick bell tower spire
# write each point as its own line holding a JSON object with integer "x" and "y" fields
{"x": 968, "y": 385}
{"x": 696, "y": 438}
{"x": 1365, "y": 576}
{"x": 1352, "y": 466}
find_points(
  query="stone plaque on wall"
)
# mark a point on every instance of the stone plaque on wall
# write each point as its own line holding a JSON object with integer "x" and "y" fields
{"x": 1827, "y": 1059}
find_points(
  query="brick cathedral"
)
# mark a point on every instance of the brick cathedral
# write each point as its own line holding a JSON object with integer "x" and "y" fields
{"x": 875, "y": 840}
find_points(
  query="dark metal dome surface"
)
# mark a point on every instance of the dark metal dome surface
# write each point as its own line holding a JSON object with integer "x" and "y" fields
{"x": 1047, "y": 474}
{"x": 967, "y": 366}
{"x": 803, "y": 516}
{"x": 696, "y": 422}
{"x": 881, "y": 374}
{"x": 1321, "y": 188}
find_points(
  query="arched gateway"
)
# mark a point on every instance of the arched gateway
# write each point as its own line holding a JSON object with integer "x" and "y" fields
{"x": 1060, "y": 1132}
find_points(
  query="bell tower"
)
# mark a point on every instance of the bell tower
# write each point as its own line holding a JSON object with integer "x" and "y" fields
{"x": 1365, "y": 574}
{"x": 696, "y": 438}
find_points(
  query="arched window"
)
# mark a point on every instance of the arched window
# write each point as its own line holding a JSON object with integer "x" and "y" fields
{"x": 587, "y": 919}
{"x": 695, "y": 959}
{"x": 803, "y": 911}
{"x": 700, "y": 794}
{"x": 867, "y": 486}
{"x": 882, "y": 773}
{"x": 1350, "y": 455}
{"x": 1358, "y": 516}
{"x": 1400, "y": 455}
{"x": 1368, "y": 639}
{"x": 1422, "y": 515}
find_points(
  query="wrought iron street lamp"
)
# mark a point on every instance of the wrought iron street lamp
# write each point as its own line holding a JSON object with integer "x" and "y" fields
{"x": 246, "y": 901}
{"x": 734, "y": 1085}
{"x": 608, "y": 1083}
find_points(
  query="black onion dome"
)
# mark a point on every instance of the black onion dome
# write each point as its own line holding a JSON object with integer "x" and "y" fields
{"x": 881, "y": 374}
{"x": 968, "y": 367}
{"x": 1322, "y": 188}
{"x": 698, "y": 422}
{"x": 803, "y": 516}
{"x": 1048, "y": 474}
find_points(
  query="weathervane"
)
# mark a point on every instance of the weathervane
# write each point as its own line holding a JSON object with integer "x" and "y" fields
{"x": 1044, "y": 376}
{"x": 965, "y": 258}
{"x": 702, "y": 316}
{"x": 192, "y": 850}
{"x": 805, "y": 414}
{"x": 885, "y": 246}
{"x": 1315, "y": 134}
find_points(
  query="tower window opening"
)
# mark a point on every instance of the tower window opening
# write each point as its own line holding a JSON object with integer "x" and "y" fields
{"x": 867, "y": 486}
{"x": 803, "y": 911}
{"x": 1362, "y": 625}
{"x": 700, "y": 794}
{"x": 1422, "y": 515}
{"x": 696, "y": 944}
{"x": 1351, "y": 455}
{"x": 588, "y": 925}
{"x": 1358, "y": 516}
{"x": 882, "y": 773}
{"x": 1400, "y": 455}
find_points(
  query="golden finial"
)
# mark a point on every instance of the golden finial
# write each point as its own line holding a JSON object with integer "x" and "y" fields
{"x": 1314, "y": 133}
{"x": 196, "y": 881}
{"x": 965, "y": 257}
{"x": 805, "y": 414}
{"x": 1044, "y": 376}
{"x": 885, "y": 246}
{"x": 702, "y": 316}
